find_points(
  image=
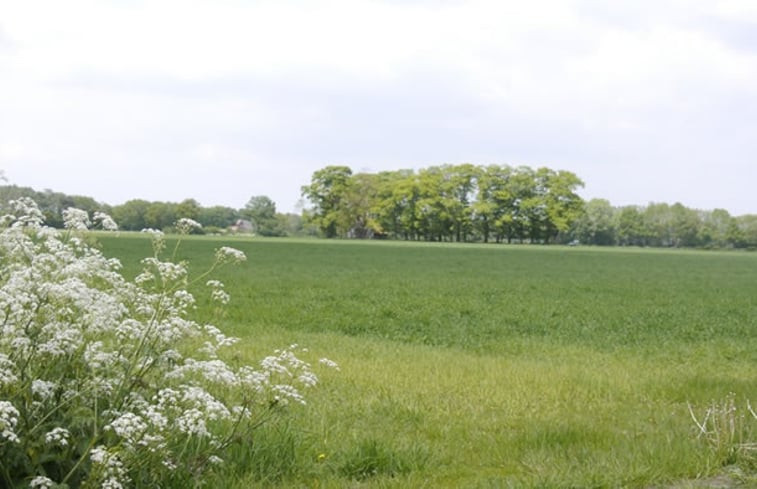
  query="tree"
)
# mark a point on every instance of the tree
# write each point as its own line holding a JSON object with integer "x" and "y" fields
{"x": 597, "y": 224}
{"x": 261, "y": 210}
{"x": 685, "y": 224}
{"x": 217, "y": 216}
{"x": 561, "y": 204}
{"x": 326, "y": 192}
{"x": 130, "y": 215}
{"x": 188, "y": 208}
{"x": 629, "y": 225}
{"x": 160, "y": 215}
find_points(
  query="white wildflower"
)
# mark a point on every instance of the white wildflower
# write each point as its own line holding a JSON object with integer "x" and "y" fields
{"x": 106, "y": 222}
{"x": 8, "y": 421}
{"x": 113, "y": 469}
{"x": 308, "y": 379}
{"x": 218, "y": 294}
{"x": 128, "y": 426}
{"x": 7, "y": 376}
{"x": 41, "y": 482}
{"x": 284, "y": 393}
{"x": 186, "y": 225}
{"x": 27, "y": 213}
{"x": 76, "y": 219}
{"x": 192, "y": 422}
{"x": 43, "y": 389}
{"x": 85, "y": 333}
{"x": 57, "y": 437}
{"x": 226, "y": 254}
{"x": 329, "y": 363}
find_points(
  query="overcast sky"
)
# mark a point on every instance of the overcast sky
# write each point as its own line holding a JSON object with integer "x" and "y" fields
{"x": 222, "y": 100}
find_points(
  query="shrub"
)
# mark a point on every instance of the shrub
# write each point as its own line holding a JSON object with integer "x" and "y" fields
{"x": 111, "y": 383}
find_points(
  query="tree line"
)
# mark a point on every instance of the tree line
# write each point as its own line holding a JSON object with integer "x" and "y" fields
{"x": 502, "y": 203}
{"x": 465, "y": 202}
{"x": 446, "y": 203}
{"x": 660, "y": 224}
{"x": 138, "y": 214}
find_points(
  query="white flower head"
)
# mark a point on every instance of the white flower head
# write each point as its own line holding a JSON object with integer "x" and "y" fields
{"x": 218, "y": 294}
{"x": 41, "y": 482}
{"x": 105, "y": 221}
{"x": 227, "y": 254}
{"x": 76, "y": 219}
{"x": 42, "y": 388}
{"x": 186, "y": 225}
{"x": 8, "y": 421}
{"x": 329, "y": 363}
{"x": 27, "y": 213}
{"x": 57, "y": 437}
{"x": 7, "y": 376}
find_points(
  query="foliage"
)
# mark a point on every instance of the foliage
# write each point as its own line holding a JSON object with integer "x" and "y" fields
{"x": 445, "y": 203}
{"x": 109, "y": 382}
{"x": 50, "y": 203}
{"x": 261, "y": 211}
{"x": 661, "y": 225}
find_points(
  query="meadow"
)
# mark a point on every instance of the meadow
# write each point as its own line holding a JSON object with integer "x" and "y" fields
{"x": 489, "y": 366}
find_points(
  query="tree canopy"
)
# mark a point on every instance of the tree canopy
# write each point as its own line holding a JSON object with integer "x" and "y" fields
{"x": 445, "y": 203}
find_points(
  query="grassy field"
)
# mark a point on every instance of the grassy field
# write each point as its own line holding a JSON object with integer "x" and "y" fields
{"x": 490, "y": 366}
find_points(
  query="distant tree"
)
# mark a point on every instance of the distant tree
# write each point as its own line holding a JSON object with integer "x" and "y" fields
{"x": 160, "y": 215}
{"x": 686, "y": 226}
{"x": 326, "y": 192}
{"x": 188, "y": 208}
{"x": 562, "y": 204}
{"x": 358, "y": 210}
{"x": 597, "y": 224}
{"x": 217, "y": 216}
{"x": 747, "y": 231}
{"x": 629, "y": 225}
{"x": 130, "y": 215}
{"x": 261, "y": 211}
{"x": 658, "y": 225}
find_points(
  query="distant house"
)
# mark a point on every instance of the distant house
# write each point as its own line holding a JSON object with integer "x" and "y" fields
{"x": 242, "y": 226}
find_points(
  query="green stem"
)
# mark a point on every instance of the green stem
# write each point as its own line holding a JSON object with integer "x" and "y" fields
{"x": 80, "y": 461}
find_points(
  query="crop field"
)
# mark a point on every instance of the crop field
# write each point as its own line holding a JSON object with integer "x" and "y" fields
{"x": 492, "y": 366}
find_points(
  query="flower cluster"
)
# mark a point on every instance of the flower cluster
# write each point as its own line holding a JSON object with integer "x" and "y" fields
{"x": 112, "y": 379}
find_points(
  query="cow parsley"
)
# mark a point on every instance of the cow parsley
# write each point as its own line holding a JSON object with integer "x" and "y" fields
{"x": 113, "y": 378}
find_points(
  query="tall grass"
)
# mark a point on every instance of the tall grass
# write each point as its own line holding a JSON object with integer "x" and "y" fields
{"x": 491, "y": 366}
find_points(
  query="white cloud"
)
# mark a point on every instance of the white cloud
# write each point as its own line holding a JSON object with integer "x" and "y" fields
{"x": 268, "y": 91}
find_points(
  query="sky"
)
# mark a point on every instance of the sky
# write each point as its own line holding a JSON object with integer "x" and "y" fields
{"x": 646, "y": 101}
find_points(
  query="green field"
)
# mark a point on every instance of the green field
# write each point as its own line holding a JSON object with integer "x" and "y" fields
{"x": 490, "y": 366}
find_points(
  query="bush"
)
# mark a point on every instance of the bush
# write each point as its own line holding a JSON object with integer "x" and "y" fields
{"x": 111, "y": 383}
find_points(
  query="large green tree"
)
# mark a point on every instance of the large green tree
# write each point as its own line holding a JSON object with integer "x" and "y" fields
{"x": 261, "y": 211}
{"x": 326, "y": 192}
